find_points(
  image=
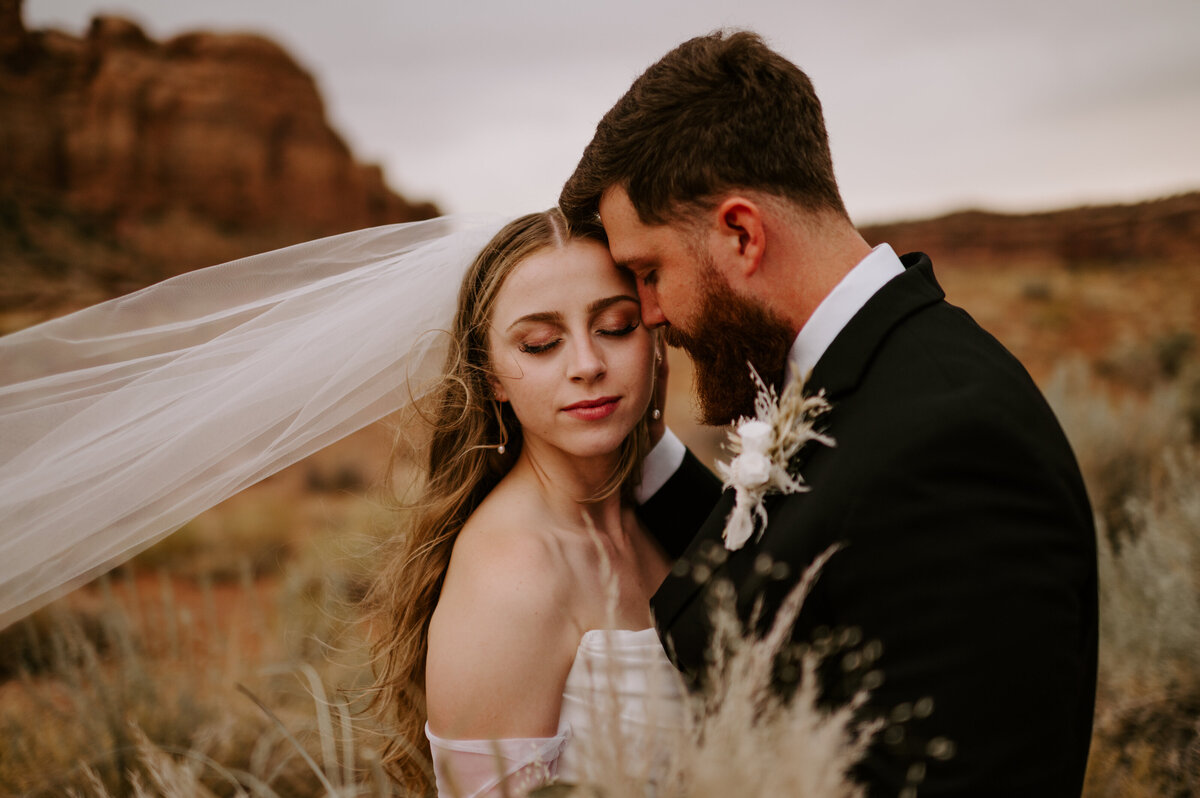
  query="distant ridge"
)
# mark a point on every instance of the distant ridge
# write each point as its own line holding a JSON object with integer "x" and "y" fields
{"x": 1162, "y": 230}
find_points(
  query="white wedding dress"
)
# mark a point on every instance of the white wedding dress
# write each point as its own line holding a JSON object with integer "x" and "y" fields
{"x": 623, "y": 706}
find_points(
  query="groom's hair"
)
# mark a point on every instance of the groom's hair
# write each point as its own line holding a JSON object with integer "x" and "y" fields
{"x": 719, "y": 112}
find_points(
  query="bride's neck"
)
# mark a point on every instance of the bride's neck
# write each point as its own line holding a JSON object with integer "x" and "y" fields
{"x": 568, "y": 484}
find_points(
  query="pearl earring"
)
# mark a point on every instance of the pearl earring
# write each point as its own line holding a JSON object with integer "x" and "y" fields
{"x": 503, "y": 429}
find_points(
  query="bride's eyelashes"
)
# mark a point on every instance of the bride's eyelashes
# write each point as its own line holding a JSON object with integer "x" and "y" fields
{"x": 626, "y": 330}
{"x": 537, "y": 349}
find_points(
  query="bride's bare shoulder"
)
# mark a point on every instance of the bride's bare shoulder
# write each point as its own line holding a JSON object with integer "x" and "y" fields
{"x": 505, "y": 553}
{"x": 501, "y": 638}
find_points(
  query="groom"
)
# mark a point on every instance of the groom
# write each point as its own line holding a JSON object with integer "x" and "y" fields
{"x": 967, "y": 545}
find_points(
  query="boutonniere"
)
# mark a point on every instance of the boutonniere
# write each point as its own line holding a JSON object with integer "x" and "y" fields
{"x": 763, "y": 447}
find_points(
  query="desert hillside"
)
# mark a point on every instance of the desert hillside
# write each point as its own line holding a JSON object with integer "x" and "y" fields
{"x": 1159, "y": 231}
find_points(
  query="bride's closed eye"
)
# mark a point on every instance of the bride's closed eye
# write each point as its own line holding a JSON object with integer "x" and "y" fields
{"x": 619, "y": 331}
{"x": 618, "y": 320}
{"x": 538, "y": 348}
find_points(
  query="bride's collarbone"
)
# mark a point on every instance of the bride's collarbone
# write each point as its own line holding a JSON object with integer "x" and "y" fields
{"x": 610, "y": 590}
{"x": 618, "y": 549}
{"x": 582, "y": 566}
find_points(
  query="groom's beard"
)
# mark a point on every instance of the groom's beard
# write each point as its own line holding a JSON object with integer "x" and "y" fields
{"x": 730, "y": 332}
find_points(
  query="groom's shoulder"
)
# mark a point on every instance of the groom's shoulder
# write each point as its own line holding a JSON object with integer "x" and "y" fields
{"x": 908, "y": 333}
{"x": 941, "y": 341}
{"x": 938, "y": 368}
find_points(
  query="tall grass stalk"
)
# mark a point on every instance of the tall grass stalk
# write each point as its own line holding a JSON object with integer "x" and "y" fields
{"x": 750, "y": 741}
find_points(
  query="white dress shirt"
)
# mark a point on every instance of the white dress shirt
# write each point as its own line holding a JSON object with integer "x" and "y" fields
{"x": 835, "y": 311}
{"x": 827, "y": 321}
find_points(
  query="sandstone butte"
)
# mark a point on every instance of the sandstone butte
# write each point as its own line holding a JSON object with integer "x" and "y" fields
{"x": 172, "y": 154}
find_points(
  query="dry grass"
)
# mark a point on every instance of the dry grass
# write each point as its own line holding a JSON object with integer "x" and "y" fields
{"x": 97, "y": 707}
{"x": 748, "y": 741}
{"x": 116, "y": 720}
{"x": 1147, "y": 736}
{"x": 1140, "y": 456}
{"x": 131, "y": 687}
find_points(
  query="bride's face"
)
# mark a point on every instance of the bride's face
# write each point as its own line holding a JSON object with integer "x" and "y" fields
{"x": 569, "y": 351}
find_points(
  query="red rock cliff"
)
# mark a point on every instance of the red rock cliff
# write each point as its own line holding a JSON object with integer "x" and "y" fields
{"x": 183, "y": 151}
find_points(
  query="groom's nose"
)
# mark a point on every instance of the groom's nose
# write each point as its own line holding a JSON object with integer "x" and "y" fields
{"x": 652, "y": 314}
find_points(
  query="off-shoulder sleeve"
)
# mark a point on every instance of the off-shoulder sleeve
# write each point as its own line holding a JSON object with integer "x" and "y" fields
{"x": 492, "y": 768}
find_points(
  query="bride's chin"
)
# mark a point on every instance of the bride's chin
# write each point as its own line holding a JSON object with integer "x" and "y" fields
{"x": 596, "y": 443}
{"x": 590, "y": 449}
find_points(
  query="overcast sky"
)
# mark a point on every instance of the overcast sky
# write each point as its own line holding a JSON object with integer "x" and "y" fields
{"x": 931, "y": 105}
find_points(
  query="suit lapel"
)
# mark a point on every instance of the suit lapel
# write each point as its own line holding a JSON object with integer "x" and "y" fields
{"x": 838, "y": 372}
{"x": 842, "y": 366}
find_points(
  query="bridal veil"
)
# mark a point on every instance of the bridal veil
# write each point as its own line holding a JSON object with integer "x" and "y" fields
{"x": 121, "y": 422}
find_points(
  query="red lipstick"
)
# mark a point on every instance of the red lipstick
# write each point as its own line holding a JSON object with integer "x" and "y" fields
{"x": 593, "y": 409}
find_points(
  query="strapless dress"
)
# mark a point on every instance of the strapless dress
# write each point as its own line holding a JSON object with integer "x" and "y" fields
{"x": 622, "y": 704}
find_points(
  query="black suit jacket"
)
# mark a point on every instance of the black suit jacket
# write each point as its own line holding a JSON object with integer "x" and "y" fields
{"x": 968, "y": 550}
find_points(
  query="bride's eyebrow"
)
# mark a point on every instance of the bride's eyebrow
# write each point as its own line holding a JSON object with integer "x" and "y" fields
{"x": 601, "y": 304}
{"x": 550, "y": 316}
{"x": 554, "y": 317}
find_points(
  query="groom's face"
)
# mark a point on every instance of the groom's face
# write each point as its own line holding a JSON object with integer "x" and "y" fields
{"x": 662, "y": 258}
{"x": 683, "y": 291}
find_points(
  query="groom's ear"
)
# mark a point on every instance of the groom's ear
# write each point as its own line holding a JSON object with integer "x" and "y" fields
{"x": 740, "y": 236}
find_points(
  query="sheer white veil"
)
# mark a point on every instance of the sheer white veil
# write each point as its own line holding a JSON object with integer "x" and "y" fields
{"x": 121, "y": 422}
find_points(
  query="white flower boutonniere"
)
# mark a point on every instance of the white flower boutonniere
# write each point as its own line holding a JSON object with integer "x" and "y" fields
{"x": 763, "y": 447}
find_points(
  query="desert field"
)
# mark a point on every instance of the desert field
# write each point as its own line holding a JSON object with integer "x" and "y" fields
{"x": 228, "y": 659}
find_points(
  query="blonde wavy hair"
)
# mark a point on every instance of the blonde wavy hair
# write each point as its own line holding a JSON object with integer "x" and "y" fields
{"x": 463, "y": 466}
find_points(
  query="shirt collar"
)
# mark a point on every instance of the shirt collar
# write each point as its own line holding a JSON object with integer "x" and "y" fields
{"x": 835, "y": 311}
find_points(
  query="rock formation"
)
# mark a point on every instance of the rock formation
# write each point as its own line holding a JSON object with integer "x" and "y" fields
{"x": 177, "y": 154}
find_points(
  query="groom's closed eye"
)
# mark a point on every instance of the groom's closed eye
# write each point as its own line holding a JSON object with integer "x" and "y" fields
{"x": 644, "y": 271}
{"x": 635, "y": 266}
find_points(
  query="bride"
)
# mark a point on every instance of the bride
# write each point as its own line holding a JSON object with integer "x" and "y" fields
{"x": 512, "y": 618}
{"x": 527, "y": 544}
